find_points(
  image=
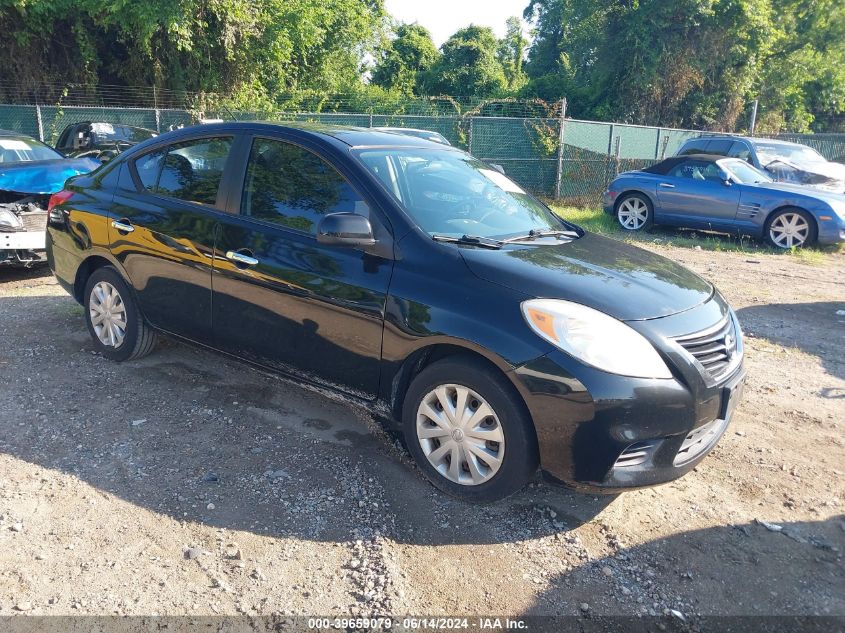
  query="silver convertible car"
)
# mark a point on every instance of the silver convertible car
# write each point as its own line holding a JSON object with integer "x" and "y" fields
{"x": 715, "y": 193}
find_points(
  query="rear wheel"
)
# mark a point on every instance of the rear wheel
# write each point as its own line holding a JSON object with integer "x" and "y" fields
{"x": 468, "y": 430}
{"x": 790, "y": 228}
{"x": 635, "y": 212}
{"x": 114, "y": 321}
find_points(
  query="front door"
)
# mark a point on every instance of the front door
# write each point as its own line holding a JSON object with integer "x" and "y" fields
{"x": 694, "y": 193}
{"x": 282, "y": 299}
{"x": 162, "y": 229}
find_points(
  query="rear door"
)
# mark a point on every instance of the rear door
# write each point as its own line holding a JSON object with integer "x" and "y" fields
{"x": 293, "y": 304}
{"x": 694, "y": 194}
{"x": 162, "y": 230}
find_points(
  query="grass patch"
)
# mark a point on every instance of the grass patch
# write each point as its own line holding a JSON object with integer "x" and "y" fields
{"x": 597, "y": 221}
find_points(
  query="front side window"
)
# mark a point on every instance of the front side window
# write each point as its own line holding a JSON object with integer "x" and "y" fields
{"x": 698, "y": 170}
{"x": 291, "y": 186}
{"x": 740, "y": 150}
{"x": 190, "y": 171}
{"x": 448, "y": 192}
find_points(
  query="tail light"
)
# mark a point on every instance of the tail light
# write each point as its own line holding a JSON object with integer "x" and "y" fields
{"x": 58, "y": 198}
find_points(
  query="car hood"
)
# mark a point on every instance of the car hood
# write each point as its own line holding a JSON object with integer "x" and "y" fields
{"x": 805, "y": 190}
{"x": 623, "y": 281}
{"x": 42, "y": 176}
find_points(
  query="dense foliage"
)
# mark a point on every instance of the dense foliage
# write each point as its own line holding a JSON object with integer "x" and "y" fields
{"x": 687, "y": 63}
{"x": 691, "y": 63}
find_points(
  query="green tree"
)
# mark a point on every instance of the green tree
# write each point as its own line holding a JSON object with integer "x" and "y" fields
{"x": 510, "y": 53}
{"x": 412, "y": 51}
{"x": 259, "y": 47}
{"x": 467, "y": 67}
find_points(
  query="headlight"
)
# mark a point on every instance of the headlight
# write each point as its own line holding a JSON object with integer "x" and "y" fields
{"x": 594, "y": 338}
{"x": 9, "y": 220}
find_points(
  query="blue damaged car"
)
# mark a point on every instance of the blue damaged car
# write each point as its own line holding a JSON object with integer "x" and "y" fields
{"x": 716, "y": 193}
{"x": 29, "y": 173}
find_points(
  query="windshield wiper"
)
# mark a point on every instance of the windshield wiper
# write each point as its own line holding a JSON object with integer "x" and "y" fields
{"x": 535, "y": 233}
{"x": 473, "y": 240}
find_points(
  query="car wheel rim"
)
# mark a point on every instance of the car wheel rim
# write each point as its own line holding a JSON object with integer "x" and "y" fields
{"x": 108, "y": 314}
{"x": 633, "y": 213}
{"x": 460, "y": 435}
{"x": 789, "y": 230}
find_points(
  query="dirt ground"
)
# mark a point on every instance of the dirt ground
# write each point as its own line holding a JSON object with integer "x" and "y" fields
{"x": 188, "y": 483}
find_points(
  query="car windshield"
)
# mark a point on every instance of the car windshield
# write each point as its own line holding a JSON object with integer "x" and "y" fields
{"x": 743, "y": 172}
{"x": 22, "y": 149}
{"x": 798, "y": 154}
{"x": 450, "y": 193}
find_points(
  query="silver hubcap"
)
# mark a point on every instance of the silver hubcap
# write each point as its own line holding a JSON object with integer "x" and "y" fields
{"x": 789, "y": 229}
{"x": 108, "y": 314}
{"x": 632, "y": 213}
{"x": 460, "y": 435}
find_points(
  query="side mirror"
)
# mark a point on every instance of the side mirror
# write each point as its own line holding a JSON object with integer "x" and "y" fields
{"x": 345, "y": 229}
{"x": 498, "y": 168}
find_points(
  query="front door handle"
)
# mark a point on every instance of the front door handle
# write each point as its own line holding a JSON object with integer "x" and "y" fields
{"x": 123, "y": 225}
{"x": 241, "y": 257}
{"x": 667, "y": 185}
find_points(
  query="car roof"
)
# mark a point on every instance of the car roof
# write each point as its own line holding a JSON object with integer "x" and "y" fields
{"x": 346, "y": 134}
{"x": 738, "y": 137}
{"x": 667, "y": 165}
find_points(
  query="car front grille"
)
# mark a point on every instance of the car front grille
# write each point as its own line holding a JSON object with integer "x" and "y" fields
{"x": 34, "y": 221}
{"x": 715, "y": 348}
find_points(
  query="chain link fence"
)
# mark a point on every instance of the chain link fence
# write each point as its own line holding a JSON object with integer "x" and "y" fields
{"x": 552, "y": 156}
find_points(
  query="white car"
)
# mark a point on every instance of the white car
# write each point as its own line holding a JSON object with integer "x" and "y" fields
{"x": 29, "y": 173}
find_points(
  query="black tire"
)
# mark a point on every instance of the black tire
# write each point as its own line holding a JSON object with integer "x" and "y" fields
{"x": 643, "y": 199}
{"x": 139, "y": 338}
{"x": 520, "y": 460}
{"x": 812, "y": 230}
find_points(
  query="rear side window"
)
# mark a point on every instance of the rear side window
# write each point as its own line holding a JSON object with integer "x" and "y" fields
{"x": 189, "y": 171}
{"x": 693, "y": 147}
{"x": 288, "y": 185}
{"x": 720, "y": 148}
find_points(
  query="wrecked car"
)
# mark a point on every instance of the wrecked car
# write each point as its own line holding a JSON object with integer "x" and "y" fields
{"x": 100, "y": 140}
{"x": 783, "y": 161}
{"x": 30, "y": 172}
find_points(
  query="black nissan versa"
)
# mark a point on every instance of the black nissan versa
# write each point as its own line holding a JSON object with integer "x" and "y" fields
{"x": 415, "y": 278}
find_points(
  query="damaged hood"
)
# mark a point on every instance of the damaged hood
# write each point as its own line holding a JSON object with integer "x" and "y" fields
{"x": 822, "y": 175}
{"x": 42, "y": 176}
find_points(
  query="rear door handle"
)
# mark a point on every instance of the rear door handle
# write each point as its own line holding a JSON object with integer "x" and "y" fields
{"x": 123, "y": 225}
{"x": 241, "y": 257}
{"x": 667, "y": 185}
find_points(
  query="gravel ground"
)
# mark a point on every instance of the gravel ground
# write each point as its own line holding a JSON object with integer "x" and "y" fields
{"x": 188, "y": 483}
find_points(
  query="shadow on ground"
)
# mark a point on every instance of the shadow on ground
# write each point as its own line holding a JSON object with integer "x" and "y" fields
{"x": 814, "y": 328}
{"x": 751, "y": 569}
{"x": 200, "y": 437}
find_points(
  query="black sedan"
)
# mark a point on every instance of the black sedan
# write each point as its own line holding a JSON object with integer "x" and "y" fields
{"x": 414, "y": 279}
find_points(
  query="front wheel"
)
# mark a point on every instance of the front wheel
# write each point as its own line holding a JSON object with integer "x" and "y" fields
{"x": 634, "y": 212}
{"x": 790, "y": 228}
{"x": 114, "y": 321}
{"x": 468, "y": 430}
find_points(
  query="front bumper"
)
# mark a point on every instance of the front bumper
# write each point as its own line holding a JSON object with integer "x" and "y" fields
{"x": 602, "y": 432}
